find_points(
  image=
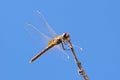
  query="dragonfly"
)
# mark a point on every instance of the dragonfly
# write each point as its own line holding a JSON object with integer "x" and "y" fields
{"x": 63, "y": 39}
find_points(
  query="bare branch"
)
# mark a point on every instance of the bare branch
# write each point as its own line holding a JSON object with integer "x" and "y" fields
{"x": 80, "y": 70}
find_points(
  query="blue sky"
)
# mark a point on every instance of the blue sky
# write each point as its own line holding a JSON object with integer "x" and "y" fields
{"x": 93, "y": 25}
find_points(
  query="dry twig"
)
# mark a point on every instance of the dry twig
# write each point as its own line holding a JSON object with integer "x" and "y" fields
{"x": 80, "y": 71}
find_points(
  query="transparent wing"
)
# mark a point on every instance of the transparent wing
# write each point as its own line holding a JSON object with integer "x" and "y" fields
{"x": 38, "y": 37}
{"x": 59, "y": 48}
{"x": 46, "y": 24}
{"x": 41, "y": 33}
{"x": 79, "y": 48}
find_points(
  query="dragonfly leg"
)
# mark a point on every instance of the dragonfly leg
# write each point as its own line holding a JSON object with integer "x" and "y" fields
{"x": 63, "y": 46}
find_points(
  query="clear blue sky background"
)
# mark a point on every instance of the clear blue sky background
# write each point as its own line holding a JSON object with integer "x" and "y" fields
{"x": 92, "y": 24}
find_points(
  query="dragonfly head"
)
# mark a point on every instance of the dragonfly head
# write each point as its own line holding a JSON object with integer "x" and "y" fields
{"x": 66, "y": 36}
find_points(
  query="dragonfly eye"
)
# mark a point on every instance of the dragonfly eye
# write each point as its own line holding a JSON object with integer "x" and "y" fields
{"x": 66, "y": 36}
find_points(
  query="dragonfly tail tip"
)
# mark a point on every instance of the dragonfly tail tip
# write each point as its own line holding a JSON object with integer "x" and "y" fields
{"x": 30, "y": 61}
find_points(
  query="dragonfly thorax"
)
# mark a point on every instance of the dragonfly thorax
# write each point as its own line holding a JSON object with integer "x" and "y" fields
{"x": 59, "y": 39}
{"x": 55, "y": 41}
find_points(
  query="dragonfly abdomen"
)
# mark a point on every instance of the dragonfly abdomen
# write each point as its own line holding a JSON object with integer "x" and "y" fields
{"x": 43, "y": 51}
{"x": 51, "y": 44}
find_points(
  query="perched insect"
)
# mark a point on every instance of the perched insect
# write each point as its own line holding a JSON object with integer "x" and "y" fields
{"x": 63, "y": 39}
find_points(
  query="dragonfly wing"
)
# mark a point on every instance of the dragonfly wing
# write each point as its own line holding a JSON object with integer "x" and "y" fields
{"x": 51, "y": 30}
{"x": 60, "y": 49}
{"x": 76, "y": 46}
{"x": 41, "y": 33}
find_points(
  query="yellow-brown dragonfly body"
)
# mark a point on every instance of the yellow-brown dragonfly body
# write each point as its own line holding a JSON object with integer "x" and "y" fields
{"x": 55, "y": 41}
